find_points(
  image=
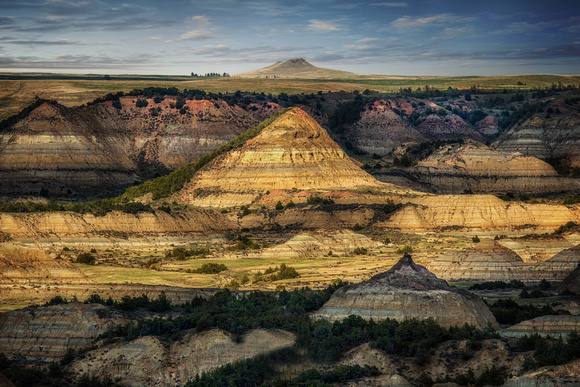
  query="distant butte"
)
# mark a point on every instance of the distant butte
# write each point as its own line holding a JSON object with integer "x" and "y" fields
{"x": 296, "y": 68}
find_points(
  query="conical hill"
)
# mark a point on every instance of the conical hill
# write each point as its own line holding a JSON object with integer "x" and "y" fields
{"x": 408, "y": 291}
{"x": 293, "y": 153}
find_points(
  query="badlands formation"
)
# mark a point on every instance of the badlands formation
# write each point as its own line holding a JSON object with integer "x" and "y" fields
{"x": 408, "y": 291}
{"x": 477, "y": 168}
{"x": 292, "y": 153}
{"x": 291, "y": 160}
{"x": 109, "y": 145}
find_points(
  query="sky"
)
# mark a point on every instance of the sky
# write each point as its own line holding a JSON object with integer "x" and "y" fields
{"x": 178, "y": 37}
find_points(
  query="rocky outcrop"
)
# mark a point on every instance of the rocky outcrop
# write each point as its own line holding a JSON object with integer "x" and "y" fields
{"x": 321, "y": 242}
{"x": 477, "y": 168}
{"x": 489, "y": 261}
{"x": 407, "y": 291}
{"x": 293, "y": 152}
{"x": 484, "y": 261}
{"x": 544, "y": 135}
{"x": 478, "y": 212}
{"x": 60, "y": 151}
{"x": 554, "y": 326}
{"x": 380, "y": 129}
{"x": 47, "y": 333}
{"x": 565, "y": 375}
{"x": 12, "y": 296}
{"x": 20, "y": 266}
{"x": 148, "y": 361}
{"x": 446, "y": 127}
{"x": 571, "y": 284}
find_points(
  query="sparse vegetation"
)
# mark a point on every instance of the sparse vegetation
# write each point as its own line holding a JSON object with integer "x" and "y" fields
{"x": 407, "y": 249}
{"x": 316, "y": 200}
{"x": 86, "y": 258}
{"x": 211, "y": 268}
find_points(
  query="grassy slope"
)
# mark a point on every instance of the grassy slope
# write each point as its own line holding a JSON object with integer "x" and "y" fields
{"x": 166, "y": 185}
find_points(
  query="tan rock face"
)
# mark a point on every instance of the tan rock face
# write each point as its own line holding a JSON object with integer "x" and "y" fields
{"x": 541, "y": 136}
{"x": 148, "y": 361}
{"x": 555, "y": 326}
{"x": 476, "y": 167}
{"x": 407, "y": 291}
{"x": 562, "y": 375}
{"x": 25, "y": 266}
{"x": 489, "y": 261}
{"x": 447, "y": 127}
{"x": 380, "y": 129}
{"x": 292, "y": 152}
{"x": 479, "y": 212}
{"x": 65, "y": 151}
{"x": 485, "y": 261}
{"x": 571, "y": 283}
{"x": 47, "y": 333}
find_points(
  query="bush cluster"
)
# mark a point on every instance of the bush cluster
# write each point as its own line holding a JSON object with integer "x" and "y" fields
{"x": 316, "y": 200}
{"x": 181, "y": 253}
{"x": 210, "y": 268}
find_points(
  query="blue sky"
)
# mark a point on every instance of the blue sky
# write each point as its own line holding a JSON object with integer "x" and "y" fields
{"x": 413, "y": 37}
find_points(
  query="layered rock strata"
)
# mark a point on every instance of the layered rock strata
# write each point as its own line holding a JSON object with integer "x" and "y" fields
{"x": 407, "y": 291}
{"x": 47, "y": 333}
{"x": 148, "y": 361}
{"x": 478, "y": 212}
{"x": 554, "y": 326}
{"x": 565, "y": 375}
{"x": 544, "y": 135}
{"x": 480, "y": 169}
{"x": 74, "y": 151}
{"x": 485, "y": 261}
{"x": 19, "y": 266}
{"x": 571, "y": 284}
{"x": 293, "y": 152}
{"x": 380, "y": 129}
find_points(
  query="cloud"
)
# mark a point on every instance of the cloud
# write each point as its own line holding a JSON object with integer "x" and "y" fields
{"x": 199, "y": 19}
{"x": 325, "y": 25}
{"x": 73, "y": 62}
{"x": 390, "y": 4}
{"x": 57, "y": 42}
{"x": 200, "y": 34}
{"x": 440, "y": 19}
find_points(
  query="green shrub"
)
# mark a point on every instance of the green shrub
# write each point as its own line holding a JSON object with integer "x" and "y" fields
{"x": 86, "y": 258}
{"x": 407, "y": 249}
{"x": 360, "y": 251}
{"x": 141, "y": 103}
{"x": 279, "y": 206}
{"x": 316, "y": 200}
{"x": 211, "y": 268}
{"x": 475, "y": 239}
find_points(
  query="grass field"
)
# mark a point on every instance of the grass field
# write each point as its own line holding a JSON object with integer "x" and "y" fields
{"x": 16, "y": 93}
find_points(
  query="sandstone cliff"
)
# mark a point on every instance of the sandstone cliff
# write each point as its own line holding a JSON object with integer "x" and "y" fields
{"x": 478, "y": 212}
{"x": 20, "y": 266}
{"x": 571, "y": 284}
{"x": 149, "y": 361}
{"x": 47, "y": 333}
{"x": 565, "y": 375}
{"x": 544, "y": 135}
{"x": 475, "y": 167}
{"x": 554, "y": 326}
{"x": 380, "y": 129}
{"x": 485, "y": 261}
{"x": 407, "y": 291}
{"x": 74, "y": 151}
{"x": 293, "y": 152}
